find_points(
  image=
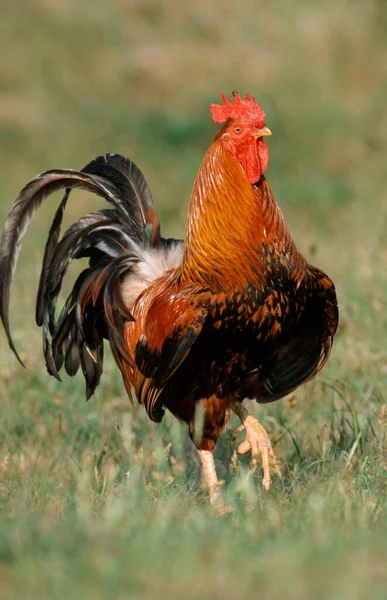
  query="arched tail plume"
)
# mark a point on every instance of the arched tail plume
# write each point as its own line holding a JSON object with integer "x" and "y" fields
{"x": 111, "y": 239}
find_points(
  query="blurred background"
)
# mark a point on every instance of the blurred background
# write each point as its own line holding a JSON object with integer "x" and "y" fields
{"x": 82, "y": 78}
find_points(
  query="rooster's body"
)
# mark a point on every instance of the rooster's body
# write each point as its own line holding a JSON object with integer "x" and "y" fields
{"x": 234, "y": 312}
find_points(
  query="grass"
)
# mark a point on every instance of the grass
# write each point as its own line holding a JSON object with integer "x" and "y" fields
{"x": 95, "y": 500}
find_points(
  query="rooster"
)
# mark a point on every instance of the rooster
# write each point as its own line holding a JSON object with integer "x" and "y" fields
{"x": 235, "y": 312}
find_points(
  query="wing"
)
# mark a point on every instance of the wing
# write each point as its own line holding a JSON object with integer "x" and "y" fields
{"x": 296, "y": 363}
{"x": 172, "y": 326}
{"x": 307, "y": 353}
{"x": 173, "y": 322}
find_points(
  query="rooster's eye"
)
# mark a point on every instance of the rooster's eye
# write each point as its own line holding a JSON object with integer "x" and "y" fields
{"x": 237, "y": 129}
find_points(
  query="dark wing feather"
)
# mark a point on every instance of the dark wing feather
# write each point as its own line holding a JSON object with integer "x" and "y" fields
{"x": 306, "y": 355}
{"x": 296, "y": 363}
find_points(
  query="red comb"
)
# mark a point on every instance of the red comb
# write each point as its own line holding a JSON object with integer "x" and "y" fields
{"x": 246, "y": 110}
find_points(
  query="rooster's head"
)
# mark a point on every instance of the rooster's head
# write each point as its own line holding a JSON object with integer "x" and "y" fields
{"x": 243, "y": 132}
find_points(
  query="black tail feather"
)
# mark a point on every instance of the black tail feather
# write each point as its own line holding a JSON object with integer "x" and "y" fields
{"x": 49, "y": 252}
{"x": 132, "y": 186}
{"x": 21, "y": 215}
{"x": 111, "y": 239}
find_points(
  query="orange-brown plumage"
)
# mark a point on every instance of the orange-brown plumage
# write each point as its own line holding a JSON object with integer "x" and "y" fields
{"x": 236, "y": 240}
{"x": 236, "y": 312}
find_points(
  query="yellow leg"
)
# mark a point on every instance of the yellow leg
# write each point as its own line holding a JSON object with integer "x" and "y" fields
{"x": 210, "y": 478}
{"x": 257, "y": 441}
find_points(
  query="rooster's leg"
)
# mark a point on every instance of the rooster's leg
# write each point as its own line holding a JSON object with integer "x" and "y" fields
{"x": 213, "y": 415}
{"x": 210, "y": 478}
{"x": 257, "y": 440}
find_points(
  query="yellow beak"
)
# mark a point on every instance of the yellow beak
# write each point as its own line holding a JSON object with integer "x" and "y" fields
{"x": 262, "y": 132}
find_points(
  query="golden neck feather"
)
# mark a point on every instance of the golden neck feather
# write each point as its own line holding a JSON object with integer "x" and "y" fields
{"x": 228, "y": 220}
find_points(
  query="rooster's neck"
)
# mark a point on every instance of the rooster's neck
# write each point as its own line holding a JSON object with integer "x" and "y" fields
{"x": 228, "y": 221}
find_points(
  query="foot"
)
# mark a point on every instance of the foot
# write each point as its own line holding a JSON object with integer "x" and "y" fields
{"x": 257, "y": 441}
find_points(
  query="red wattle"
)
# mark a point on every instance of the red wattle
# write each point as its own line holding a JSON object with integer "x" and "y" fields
{"x": 255, "y": 160}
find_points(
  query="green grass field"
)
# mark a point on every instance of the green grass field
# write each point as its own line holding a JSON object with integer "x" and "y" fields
{"x": 97, "y": 502}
